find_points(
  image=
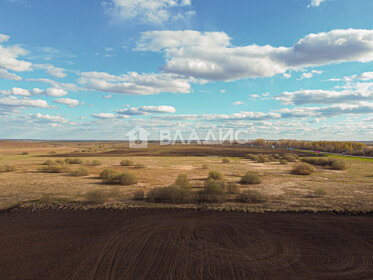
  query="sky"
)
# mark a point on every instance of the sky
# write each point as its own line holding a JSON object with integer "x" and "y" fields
{"x": 277, "y": 69}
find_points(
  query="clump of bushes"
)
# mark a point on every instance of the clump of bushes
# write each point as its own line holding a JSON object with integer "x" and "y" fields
{"x": 290, "y": 157}
{"x": 127, "y": 162}
{"x": 96, "y": 197}
{"x": 339, "y": 165}
{"x": 276, "y": 156}
{"x": 302, "y": 168}
{"x": 251, "y": 196}
{"x": 139, "y": 195}
{"x": 49, "y": 162}
{"x": 283, "y": 161}
{"x": 214, "y": 191}
{"x": 225, "y": 160}
{"x": 215, "y": 175}
{"x": 25, "y": 153}
{"x": 56, "y": 168}
{"x": 232, "y": 188}
{"x": 252, "y": 157}
{"x": 263, "y": 159}
{"x": 182, "y": 181}
{"x": 205, "y": 166}
{"x": 82, "y": 171}
{"x": 73, "y": 161}
{"x": 250, "y": 178}
{"x": 333, "y": 163}
{"x": 112, "y": 177}
{"x": 140, "y": 165}
{"x": 6, "y": 168}
{"x": 170, "y": 194}
{"x": 94, "y": 163}
{"x": 320, "y": 192}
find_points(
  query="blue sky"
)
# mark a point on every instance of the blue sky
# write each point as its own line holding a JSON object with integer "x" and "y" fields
{"x": 94, "y": 69}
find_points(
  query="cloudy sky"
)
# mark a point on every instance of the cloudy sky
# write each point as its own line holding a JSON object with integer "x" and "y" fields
{"x": 94, "y": 69}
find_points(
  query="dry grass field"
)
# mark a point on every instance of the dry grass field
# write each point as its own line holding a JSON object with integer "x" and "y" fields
{"x": 323, "y": 190}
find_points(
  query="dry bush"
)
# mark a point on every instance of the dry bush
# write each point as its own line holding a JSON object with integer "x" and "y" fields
{"x": 289, "y": 157}
{"x": 60, "y": 161}
{"x": 25, "y": 153}
{"x": 225, "y": 160}
{"x": 214, "y": 191}
{"x": 215, "y": 175}
{"x": 283, "y": 161}
{"x": 205, "y": 166}
{"x": 52, "y": 152}
{"x": 73, "y": 161}
{"x": 82, "y": 171}
{"x": 250, "y": 196}
{"x": 6, "y": 168}
{"x": 109, "y": 176}
{"x": 250, "y": 178}
{"x": 252, "y": 157}
{"x": 302, "y": 168}
{"x": 232, "y": 188}
{"x": 263, "y": 159}
{"x": 96, "y": 197}
{"x": 139, "y": 195}
{"x": 49, "y": 162}
{"x": 320, "y": 192}
{"x": 339, "y": 165}
{"x": 182, "y": 181}
{"x": 171, "y": 194}
{"x": 140, "y": 165}
{"x": 276, "y": 156}
{"x": 94, "y": 163}
{"x": 126, "y": 179}
{"x": 56, "y": 168}
{"x": 127, "y": 162}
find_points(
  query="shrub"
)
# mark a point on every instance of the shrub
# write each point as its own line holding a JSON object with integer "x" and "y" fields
{"x": 250, "y": 178}
{"x": 213, "y": 191}
{"x": 171, "y": 194}
{"x": 182, "y": 181}
{"x": 60, "y": 161}
{"x": 139, "y": 165}
{"x": 283, "y": 161}
{"x": 139, "y": 195}
{"x": 56, "y": 168}
{"x": 339, "y": 165}
{"x": 49, "y": 162}
{"x": 25, "y": 153}
{"x": 126, "y": 179}
{"x": 126, "y": 162}
{"x": 252, "y": 157}
{"x": 263, "y": 159}
{"x": 96, "y": 197}
{"x": 302, "y": 168}
{"x": 232, "y": 188}
{"x": 215, "y": 175}
{"x": 109, "y": 176}
{"x": 82, "y": 171}
{"x": 73, "y": 161}
{"x": 225, "y": 160}
{"x": 205, "y": 166}
{"x": 7, "y": 168}
{"x": 289, "y": 158}
{"x": 276, "y": 156}
{"x": 250, "y": 196}
{"x": 320, "y": 192}
{"x": 52, "y": 152}
{"x": 94, "y": 163}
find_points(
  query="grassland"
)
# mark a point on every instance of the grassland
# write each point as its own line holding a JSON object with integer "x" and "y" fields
{"x": 323, "y": 190}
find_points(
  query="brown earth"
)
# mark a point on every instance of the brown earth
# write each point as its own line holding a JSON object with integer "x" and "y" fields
{"x": 161, "y": 244}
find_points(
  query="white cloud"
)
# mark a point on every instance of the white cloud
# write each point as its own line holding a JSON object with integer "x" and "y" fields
{"x": 315, "y": 3}
{"x": 52, "y": 70}
{"x": 49, "y": 118}
{"x": 9, "y": 57}
{"x": 134, "y": 83}
{"x": 146, "y": 110}
{"x": 211, "y": 56}
{"x": 67, "y": 101}
{"x": 58, "y": 85}
{"x": 23, "y": 102}
{"x": 237, "y": 103}
{"x": 9, "y": 76}
{"x": 16, "y": 91}
{"x": 149, "y": 11}
{"x": 104, "y": 116}
{"x": 108, "y": 96}
{"x": 56, "y": 92}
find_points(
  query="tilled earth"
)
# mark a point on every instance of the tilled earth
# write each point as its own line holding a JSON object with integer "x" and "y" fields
{"x": 161, "y": 244}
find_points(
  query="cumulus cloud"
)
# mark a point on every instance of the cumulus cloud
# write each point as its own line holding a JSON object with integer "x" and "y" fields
{"x": 4, "y": 74}
{"x": 67, "y": 101}
{"x": 316, "y": 3}
{"x": 56, "y": 92}
{"x": 237, "y": 103}
{"x": 9, "y": 57}
{"x": 12, "y": 101}
{"x": 211, "y": 56}
{"x": 134, "y": 83}
{"x": 149, "y": 11}
{"x": 49, "y": 118}
{"x": 52, "y": 70}
{"x": 146, "y": 110}
{"x": 16, "y": 91}
{"x": 104, "y": 116}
